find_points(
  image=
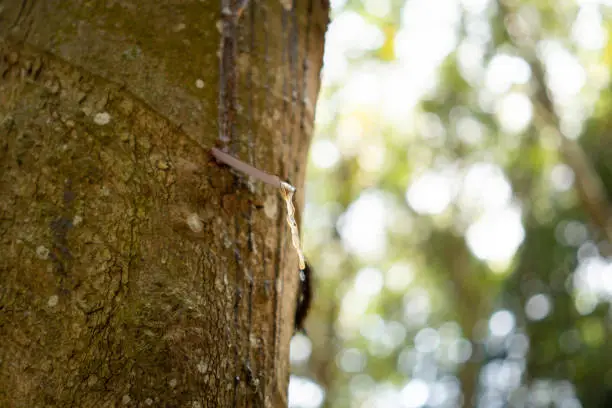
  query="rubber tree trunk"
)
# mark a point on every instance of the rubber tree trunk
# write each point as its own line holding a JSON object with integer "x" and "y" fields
{"x": 134, "y": 269}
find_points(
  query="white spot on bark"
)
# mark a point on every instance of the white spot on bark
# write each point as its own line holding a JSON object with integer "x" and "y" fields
{"x": 202, "y": 367}
{"x": 163, "y": 165}
{"x": 53, "y": 300}
{"x": 194, "y": 222}
{"x": 286, "y": 4}
{"x": 53, "y": 87}
{"x": 42, "y": 252}
{"x": 179, "y": 27}
{"x": 77, "y": 220}
{"x": 126, "y": 399}
{"x": 172, "y": 383}
{"x": 196, "y": 404}
{"x": 199, "y": 83}
{"x": 251, "y": 185}
{"x": 149, "y": 401}
{"x": 218, "y": 284}
{"x": 254, "y": 241}
{"x": 271, "y": 207}
{"x": 102, "y": 118}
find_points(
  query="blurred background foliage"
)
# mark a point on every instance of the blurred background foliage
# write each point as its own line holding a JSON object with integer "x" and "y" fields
{"x": 458, "y": 208}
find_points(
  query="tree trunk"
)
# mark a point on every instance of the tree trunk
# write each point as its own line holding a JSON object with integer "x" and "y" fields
{"x": 134, "y": 269}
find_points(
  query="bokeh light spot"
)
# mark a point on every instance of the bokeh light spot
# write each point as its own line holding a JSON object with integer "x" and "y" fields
{"x": 430, "y": 193}
{"x": 415, "y": 394}
{"x": 324, "y": 154}
{"x": 538, "y": 307}
{"x": 304, "y": 393}
{"x": 501, "y": 323}
{"x": 497, "y": 235}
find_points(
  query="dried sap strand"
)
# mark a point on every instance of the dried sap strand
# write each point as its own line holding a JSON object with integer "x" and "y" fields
{"x": 287, "y": 191}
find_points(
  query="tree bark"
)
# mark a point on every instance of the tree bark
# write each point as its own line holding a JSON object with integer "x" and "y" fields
{"x": 134, "y": 269}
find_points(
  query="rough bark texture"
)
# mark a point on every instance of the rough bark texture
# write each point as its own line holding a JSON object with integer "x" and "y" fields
{"x": 134, "y": 270}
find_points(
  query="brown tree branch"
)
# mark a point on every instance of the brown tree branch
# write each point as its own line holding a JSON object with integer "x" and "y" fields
{"x": 589, "y": 186}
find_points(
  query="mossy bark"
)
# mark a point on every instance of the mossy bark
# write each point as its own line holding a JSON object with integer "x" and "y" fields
{"x": 134, "y": 269}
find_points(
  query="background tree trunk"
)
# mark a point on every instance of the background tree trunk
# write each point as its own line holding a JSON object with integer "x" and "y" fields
{"x": 134, "y": 269}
